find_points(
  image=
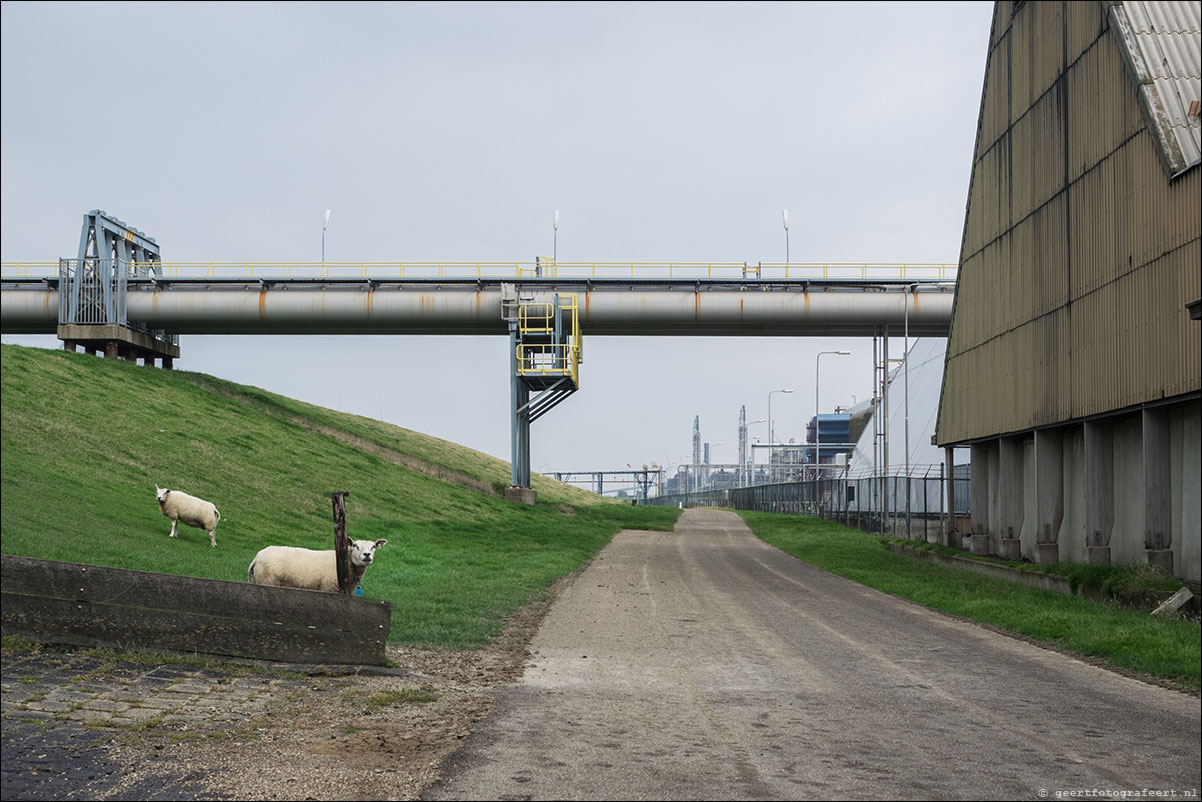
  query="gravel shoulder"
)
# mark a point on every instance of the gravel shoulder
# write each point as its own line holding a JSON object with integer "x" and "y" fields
{"x": 294, "y": 737}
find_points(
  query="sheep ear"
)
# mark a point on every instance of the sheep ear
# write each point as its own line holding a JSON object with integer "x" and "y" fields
{"x": 380, "y": 543}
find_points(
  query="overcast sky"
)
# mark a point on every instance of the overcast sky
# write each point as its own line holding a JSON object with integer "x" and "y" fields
{"x": 452, "y": 132}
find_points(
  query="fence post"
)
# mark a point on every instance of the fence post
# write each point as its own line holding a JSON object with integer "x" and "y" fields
{"x": 342, "y": 544}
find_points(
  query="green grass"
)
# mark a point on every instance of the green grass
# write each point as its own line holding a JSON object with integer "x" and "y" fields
{"x": 85, "y": 440}
{"x": 1169, "y": 648}
{"x": 1127, "y": 584}
{"x": 383, "y": 699}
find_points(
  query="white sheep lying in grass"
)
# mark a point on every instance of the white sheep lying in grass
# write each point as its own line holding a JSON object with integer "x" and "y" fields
{"x": 291, "y": 567}
{"x": 193, "y": 511}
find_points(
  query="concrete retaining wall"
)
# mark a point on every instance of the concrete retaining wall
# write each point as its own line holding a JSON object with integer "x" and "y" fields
{"x": 1035, "y": 579}
{"x": 94, "y": 605}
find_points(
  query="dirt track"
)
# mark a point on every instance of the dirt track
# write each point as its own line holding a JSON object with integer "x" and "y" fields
{"x": 704, "y": 664}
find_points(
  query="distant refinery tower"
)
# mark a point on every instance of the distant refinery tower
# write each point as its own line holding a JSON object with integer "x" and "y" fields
{"x": 696, "y": 451}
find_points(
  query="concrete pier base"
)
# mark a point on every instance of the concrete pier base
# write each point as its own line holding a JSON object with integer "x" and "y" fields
{"x": 1099, "y": 555}
{"x": 521, "y": 495}
{"x": 1047, "y": 553}
{"x": 118, "y": 342}
{"x": 980, "y": 544}
{"x": 1010, "y": 548}
{"x": 1161, "y": 560}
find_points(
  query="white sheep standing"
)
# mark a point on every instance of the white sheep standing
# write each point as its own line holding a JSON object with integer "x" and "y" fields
{"x": 180, "y": 507}
{"x": 309, "y": 569}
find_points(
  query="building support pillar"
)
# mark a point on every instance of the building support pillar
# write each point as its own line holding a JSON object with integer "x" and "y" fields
{"x": 1049, "y": 492}
{"x": 1099, "y": 490}
{"x": 979, "y": 506}
{"x": 1010, "y": 497}
{"x": 1158, "y": 533}
{"x": 951, "y": 538}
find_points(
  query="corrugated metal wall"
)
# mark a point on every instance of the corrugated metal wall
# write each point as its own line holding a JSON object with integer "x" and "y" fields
{"x": 1079, "y": 253}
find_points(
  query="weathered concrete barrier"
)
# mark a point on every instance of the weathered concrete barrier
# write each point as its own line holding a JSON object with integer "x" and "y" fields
{"x": 94, "y": 605}
{"x": 1035, "y": 579}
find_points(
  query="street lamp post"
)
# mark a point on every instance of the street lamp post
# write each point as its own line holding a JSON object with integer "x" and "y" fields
{"x": 324, "y": 225}
{"x": 771, "y": 434}
{"x": 555, "y": 236}
{"x": 817, "y": 435}
{"x": 785, "y": 218}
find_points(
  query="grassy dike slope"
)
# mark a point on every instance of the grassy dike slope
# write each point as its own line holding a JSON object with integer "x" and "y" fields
{"x": 85, "y": 440}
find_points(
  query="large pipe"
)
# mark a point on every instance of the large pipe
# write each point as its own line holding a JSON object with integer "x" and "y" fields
{"x": 283, "y": 308}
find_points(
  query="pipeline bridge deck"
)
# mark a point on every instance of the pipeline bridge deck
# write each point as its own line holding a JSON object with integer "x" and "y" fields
{"x": 669, "y": 299}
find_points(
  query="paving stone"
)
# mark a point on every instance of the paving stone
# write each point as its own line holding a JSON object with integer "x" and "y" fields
{"x": 140, "y": 714}
{"x": 58, "y": 706}
{"x": 106, "y": 705}
{"x": 69, "y": 696}
{"x": 159, "y": 703}
{"x": 49, "y": 706}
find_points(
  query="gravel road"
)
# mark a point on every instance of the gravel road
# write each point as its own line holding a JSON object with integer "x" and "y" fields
{"x": 704, "y": 664}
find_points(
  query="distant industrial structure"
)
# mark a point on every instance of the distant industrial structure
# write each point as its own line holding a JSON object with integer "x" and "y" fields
{"x": 833, "y": 433}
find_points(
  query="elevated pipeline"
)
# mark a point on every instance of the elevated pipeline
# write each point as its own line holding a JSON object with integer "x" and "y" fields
{"x": 607, "y": 308}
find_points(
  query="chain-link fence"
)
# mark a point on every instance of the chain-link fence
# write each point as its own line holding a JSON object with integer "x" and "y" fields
{"x": 915, "y": 507}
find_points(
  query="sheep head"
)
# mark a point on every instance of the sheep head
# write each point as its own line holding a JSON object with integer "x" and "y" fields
{"x": 160, "y": 493}
{"x": 363, "y": 551}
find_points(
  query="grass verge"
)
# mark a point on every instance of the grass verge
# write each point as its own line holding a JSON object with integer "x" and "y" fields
{"x": 1165, "y": 648}
{"x": 1126, "y": 584}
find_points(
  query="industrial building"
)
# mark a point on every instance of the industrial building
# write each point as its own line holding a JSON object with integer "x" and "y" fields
{"x": 1074, "y": 363}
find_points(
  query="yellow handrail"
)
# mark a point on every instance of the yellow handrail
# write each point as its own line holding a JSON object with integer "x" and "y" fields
{"x": 552, "y": 359}
{"x": 23, "y": 269}
{"x": 546, "y": 268}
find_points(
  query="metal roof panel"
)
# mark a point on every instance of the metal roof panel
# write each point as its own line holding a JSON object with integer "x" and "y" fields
{"x": 1163, "y": 40}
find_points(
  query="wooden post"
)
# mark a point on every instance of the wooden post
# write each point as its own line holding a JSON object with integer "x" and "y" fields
{"x": 342, "y": 544}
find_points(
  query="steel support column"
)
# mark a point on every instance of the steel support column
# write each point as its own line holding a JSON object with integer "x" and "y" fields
{"x": 519, "y": 395}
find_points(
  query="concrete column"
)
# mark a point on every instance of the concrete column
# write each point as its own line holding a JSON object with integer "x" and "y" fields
{"x": 1099, "y": 490}
{"x": 68, "y": 346}
{"x": 949, "y": 474}
{"x": 1049, "y": 494}
{"x": 519, "y": 395}
{"x": 979, "y": 503}
{"x": 1158, "y": 533}
{"x": 168, "y": 363}
{"x": 1010, "y": 497}
{"x": 110, "y": 349}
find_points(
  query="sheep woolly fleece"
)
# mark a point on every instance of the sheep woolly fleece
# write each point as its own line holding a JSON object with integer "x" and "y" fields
{"x": 309, "y": 569}
{"x": 190, "y": 510}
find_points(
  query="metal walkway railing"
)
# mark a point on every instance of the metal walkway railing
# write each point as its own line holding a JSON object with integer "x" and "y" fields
{"x": 543, "y": 268}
